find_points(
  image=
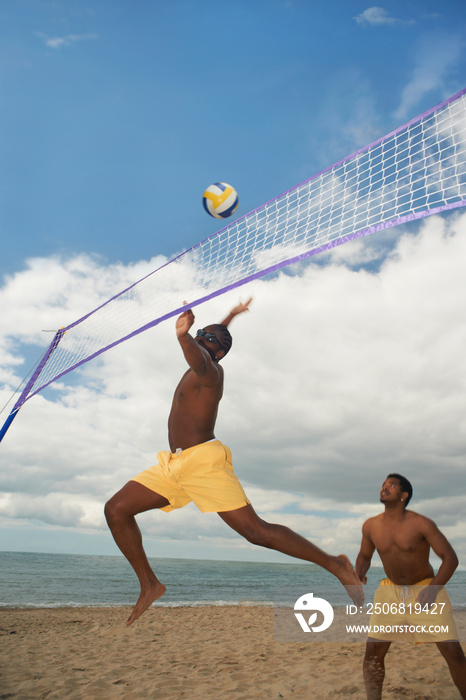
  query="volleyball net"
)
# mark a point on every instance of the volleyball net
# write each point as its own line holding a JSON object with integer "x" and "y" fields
{"x": 414, "y": 171}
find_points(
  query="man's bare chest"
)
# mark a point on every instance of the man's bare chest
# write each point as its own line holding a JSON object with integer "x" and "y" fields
{"x": 188, "y": 386}
{"x": 396, "y": 539}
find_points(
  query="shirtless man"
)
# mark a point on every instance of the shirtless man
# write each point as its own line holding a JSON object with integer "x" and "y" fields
{"x": 198, "y": 468}
{"x": 403, "y": 540}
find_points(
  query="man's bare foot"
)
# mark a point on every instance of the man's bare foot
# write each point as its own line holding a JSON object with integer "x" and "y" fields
{"x": 350, "y": 580}
{"x": 145, "y": 600}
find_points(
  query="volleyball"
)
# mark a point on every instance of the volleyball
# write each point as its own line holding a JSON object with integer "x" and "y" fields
{"x": 220, "y": 200}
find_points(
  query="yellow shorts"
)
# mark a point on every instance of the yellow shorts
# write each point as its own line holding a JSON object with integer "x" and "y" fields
{"x": 202, "y": 474}
{"x": 396, "y": 615}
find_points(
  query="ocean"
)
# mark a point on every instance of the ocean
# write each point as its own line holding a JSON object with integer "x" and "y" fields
{"x": 34, "y": 580}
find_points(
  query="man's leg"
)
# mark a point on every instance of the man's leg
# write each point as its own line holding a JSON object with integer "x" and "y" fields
{"x": 453, "y": 654}
{"x": 373, "y": 668}
{"x": 247, "y": 523}
{"x": 120, "y": 510}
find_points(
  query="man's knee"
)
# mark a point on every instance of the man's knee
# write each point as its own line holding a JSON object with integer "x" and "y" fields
{"x": 375, "y": 652}
{"x": 112, "y": 509}
{"x": 132, "y": 499}
{"x": 116, "y": 507}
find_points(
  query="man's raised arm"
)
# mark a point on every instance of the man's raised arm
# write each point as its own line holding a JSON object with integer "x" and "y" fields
{"x": 197, "y": 358}
{"x": 241, "y": 308}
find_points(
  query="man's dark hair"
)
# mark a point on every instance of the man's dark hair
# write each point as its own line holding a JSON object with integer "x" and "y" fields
{"x": 405, "y": 485}
{"x": 226, "y": 339}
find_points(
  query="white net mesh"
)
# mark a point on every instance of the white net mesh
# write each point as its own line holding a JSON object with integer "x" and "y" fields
{"x": 417, "y": 170}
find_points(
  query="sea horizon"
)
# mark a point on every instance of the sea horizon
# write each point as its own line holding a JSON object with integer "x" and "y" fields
{"x": 47, "y": 580}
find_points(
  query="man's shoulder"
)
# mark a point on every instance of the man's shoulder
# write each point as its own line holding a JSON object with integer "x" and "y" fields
{"x": 372, "y": 522}
{"x": 213, "y": 369}
{"x": 419, "y": 520}
{"x": 211, "y": 381}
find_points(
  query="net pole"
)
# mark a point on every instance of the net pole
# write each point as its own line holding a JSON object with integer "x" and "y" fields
{"x": 8, "y": 422}
{"x": 14, "y": 411}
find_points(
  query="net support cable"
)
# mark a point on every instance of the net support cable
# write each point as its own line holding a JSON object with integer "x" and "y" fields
{"x": 414, "y": 171}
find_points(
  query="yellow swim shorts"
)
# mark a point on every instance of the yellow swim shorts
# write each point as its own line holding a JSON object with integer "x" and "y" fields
{"x": 397, "y": 616}
{"x": 202, "y": 474}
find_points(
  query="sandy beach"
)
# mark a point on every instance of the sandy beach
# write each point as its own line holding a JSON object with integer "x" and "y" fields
{"x": 203, "y": 652}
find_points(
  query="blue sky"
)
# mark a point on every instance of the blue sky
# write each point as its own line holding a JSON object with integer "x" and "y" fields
{"x": 115, "y": 117}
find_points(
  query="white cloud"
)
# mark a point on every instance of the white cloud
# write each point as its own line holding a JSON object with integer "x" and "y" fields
{"x": 434, "y": 62}
{"x": 337, "y": 376}
{"x": 377, "y": 16}
{"x": 348, "y": 118}
{"x": 51, "y": 293}
{"x": 59, "y": 41}
{"x": 55, "y": 509}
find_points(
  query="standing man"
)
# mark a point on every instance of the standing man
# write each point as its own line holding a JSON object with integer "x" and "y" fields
{"x": 411, "y": 602}
{"x": 198, "y": 468}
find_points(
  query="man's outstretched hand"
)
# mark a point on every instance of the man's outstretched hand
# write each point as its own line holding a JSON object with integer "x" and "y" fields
{"x": 241, "y": 308}
{"x": 184, "y": 323}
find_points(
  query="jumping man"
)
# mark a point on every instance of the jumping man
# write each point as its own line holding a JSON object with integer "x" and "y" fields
{"x": 199, "y": 468}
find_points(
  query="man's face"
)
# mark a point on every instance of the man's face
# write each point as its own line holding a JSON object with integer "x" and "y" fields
{"x": 391, "y": 491}
{"x": 209, "y": 339}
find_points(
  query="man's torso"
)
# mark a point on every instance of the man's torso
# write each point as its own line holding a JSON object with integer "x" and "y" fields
{"x": 402, "y": 547}
{"x": 193, "y": 412}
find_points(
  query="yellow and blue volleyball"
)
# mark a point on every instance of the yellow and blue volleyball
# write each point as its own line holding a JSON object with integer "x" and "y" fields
{"x": 220, "y": 200}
